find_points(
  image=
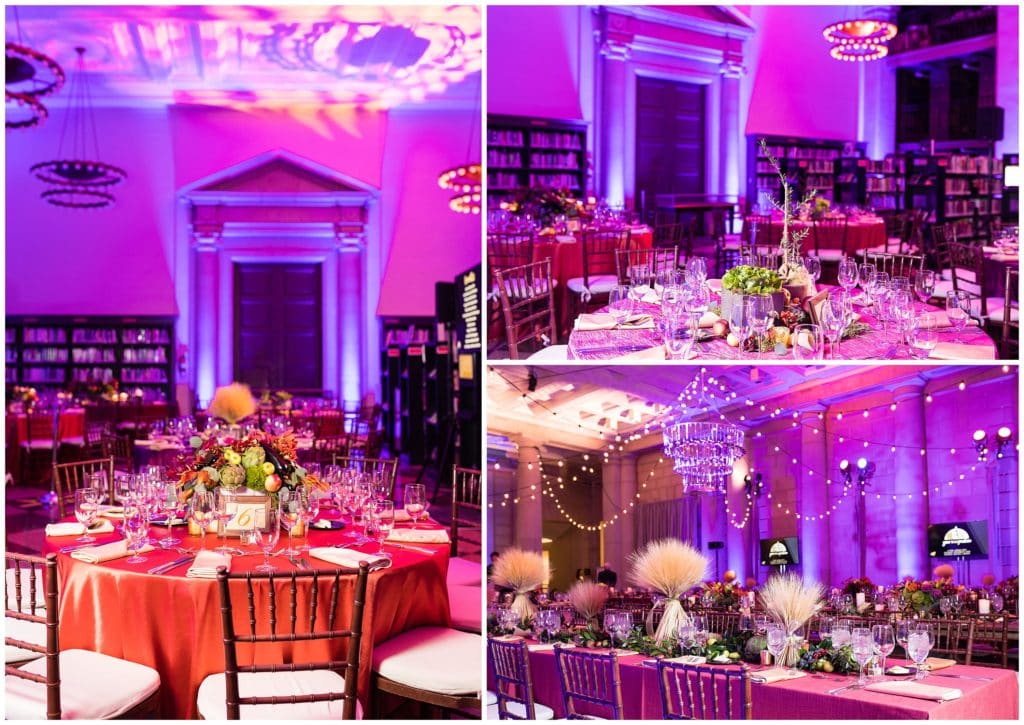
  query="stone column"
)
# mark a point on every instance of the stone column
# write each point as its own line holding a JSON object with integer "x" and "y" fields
{"x": 529, "y": 512}
{"x": 618, "y": 481}
{"x": 350, "y": 318}
{"x": 611, "y": 146}
{"x": 205, "y": 295}
{"x": 813, "y": 497}
{"x": 730, "y": 146}
{"x": 911, "y": 476}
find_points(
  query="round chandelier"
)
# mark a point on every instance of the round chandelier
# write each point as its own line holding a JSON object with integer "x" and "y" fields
{"x": 465, "y": 181}
{"x": 79, "y": 180}
{"x": 28, "y": 76}
{"x": 703, "y": 451}
{"x": 864, "y": 39}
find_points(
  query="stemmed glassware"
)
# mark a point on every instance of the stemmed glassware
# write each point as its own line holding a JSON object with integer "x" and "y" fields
{"x": 620, "y": 304}
{"x": 848, "y": 274}
{"x": 611, "y": 619}
{"x": 813, "y": 266}
{"x": 919, "y": 644}
{"x": 222, "y": 502}
{"x": 825, "y": 625}
{"x": 924, "y": 284}
{"x": 777, "y": 639}
{"x": 380, "y": 520}
{"x": 696, "y": 271}
{"x": 834, "y": 321}
{"x": 903, "y": 629}
{"x": 290, "y": 504}
{"x": 958, "y": 306}
{"x": 310, "y": 509}
{"x": 87, "y": 508}
{"x": 508, "y": 619}
{"x": 687, "y": 634}
{"x": 840, "y": 634}
{"x": 267, "y": 538}
{"x": 739, "y": 322}
{"x": 414, "y": 501}
{"x": 169, "y": 507}
{"x": 885, "y": 641}
{"x": 136, "y": 529}
{"x": 807, "y": 343}
{"x": 624, "y": 624}
{"x": 201, "y": 511}
{"x": 866, "y": 276}
{"x": 761, "y": 311}
{"x": 863, "y": 650}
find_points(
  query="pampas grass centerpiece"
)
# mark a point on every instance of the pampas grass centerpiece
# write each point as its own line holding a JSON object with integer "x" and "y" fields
{"x": 232, "y": 403}
{"x": 669, "y": 567}
{"x": 521, "y": 571}
{"x": 588, "y": 599}
{"x": 791, "y": 602}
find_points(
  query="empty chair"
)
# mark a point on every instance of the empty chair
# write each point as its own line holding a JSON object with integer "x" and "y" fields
{"x": 590, "y": 683}
{"x": 528, "y": 309}
{"x": 896, "y": 265}
{"x": 465, "y": 580}
{"x": 119, "y": 448}
{"x": 512, "y": 682}
{"x": 387, "y": 468}
{"x": 326, "y": 448}
{"x": 952, "y": 638}
{"x": 25, "y": 602}
{"x": 311, "y": 690}
{"x": 599, "y": 277}
{"x": 645, "y": 264}
{"x": 827, "y": 232}
{"x": 691, "y": 692}
{"x": 69, "y": 477}
{"x": 39, "y": 440}
{"x": 722, "y": 623}
{"x": 509, "y": 249}
{"x": 990, "y": 642}
{"x": 968, "y": 264}
{"x": 1009, "y": 338}
{"x": 71, "y": 684}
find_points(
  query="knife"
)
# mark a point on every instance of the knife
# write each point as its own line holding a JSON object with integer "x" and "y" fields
{"x": 164, "y": 568}
{"x": 962, "y": 677}
{"x": 409, "y": 548}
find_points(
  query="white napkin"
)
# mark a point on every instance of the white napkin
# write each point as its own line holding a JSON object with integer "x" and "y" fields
{"x": 909, "y": 688}
{"x": 419, "y": 536}
{"x": 565, "y": 239}
{"x": 776, "y": 674}
{"x": 205, "y": 565}
{"x": 959, "y": 351}
{"x": 402, "y": 517}
{"x": 604, "y": 321}
{"x": 348, "y": 558}
{"x": 708, "y": 319}
{"x": 688, "y": 660}
{"x": 546, "y": 647}
{"x": 107, "y": 552}
{"x": 73, "y": 528}
{"x": 647, "y": 294}
{"x": 112, "y": 512}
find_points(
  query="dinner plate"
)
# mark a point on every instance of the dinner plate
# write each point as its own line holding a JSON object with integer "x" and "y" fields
{"x": 327, "y": 524}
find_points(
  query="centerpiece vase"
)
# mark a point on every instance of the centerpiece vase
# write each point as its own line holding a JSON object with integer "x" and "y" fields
{"x": 522, "y": 605}
{"x": 673, "y": 616}
{"x": 790, "y": 654}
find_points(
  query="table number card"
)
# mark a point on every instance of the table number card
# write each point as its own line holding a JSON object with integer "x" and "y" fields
{"x": 247, "y": 512}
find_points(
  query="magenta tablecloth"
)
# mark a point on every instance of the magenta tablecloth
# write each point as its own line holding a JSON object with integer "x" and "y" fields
{"x": 806, "y": 698}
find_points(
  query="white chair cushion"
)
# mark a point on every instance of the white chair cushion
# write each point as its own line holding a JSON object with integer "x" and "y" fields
{"x": 73, "y": 440}
{"x": 551, "y": 353}
{"x": 211, "y": 695}
{"x": 942, "y": 286}
{"x": 31, "y": 632}
{"x": 464, "y": 572}
{"x": 26, "y": 589}
{"x": 599, "y": 284}
{"x": 490, "y": 698}
{"x": 437, "y": 659}
{"x": 38, "y": 445}
{"x": 93, "y": 687}
{"x": 830, "y": 255}
{"x": 994, "y": 306}
{"x": 466, "y": 604}
{"x": 542, "y": 712}
{"x": 540, "y": 287}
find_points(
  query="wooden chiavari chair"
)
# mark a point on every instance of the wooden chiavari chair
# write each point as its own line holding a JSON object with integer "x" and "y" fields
{"x": 69, "y": 477}
{"x": 896, "y": 265}
{"x": 513, "y": 685}
{"x": 598, "y": 250}
{"x": 387, "y": 468}
{"x": 528, "y": 307}
{"x": 990, "y": 642}
{"x": 590, "y": 683}
{"x": 691, "y": 692}
{"x": 831, "y": 228}
{"x": 952, "y": 638}
{"x": 648, "y": 262}
{"x": 120, "y": 448}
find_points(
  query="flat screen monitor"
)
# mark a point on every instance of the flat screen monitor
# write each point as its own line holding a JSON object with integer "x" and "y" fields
{"x": 780, "y": 552}
{"x": 958, "y": 540}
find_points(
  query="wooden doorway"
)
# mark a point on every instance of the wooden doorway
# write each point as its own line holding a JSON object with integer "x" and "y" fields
{"x": 278, "y": 326}
{"x": 670, "y": 146}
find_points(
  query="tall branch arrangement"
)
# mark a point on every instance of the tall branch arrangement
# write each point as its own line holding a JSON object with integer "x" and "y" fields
{"x": 792, "y": 270}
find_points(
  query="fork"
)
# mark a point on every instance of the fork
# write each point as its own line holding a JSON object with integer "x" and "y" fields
{"x": 842, "y": 689}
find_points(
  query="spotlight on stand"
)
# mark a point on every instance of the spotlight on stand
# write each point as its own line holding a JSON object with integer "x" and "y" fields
{"x": 981, "y": 444}
{"x": 1003, "y": 440}
{"x": 865, "y": 470}
{"x": 1005, "y": 437}
{"x": 844, "y": 468}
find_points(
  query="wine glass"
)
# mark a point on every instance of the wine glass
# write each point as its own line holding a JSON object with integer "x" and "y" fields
{"x": 201, "y": 511}
{"x": 610, "y": 621}
{"x": 700, "y": 629}
{"x": 98, "y": 480}
{"x": 863, "y": 647}
{"x": 136, "y": 530}
{"x": 678, "y": 338}
{"x": 624, "y": 625}
{"x": 923, "y": 337}
{"x": 903, "y": 629}
{"x": 958, "y": 306}
{"x": 834, "y": 322}
{"x": 761, "y": 623}
{"x": 223, "y": 503}
{"x": 777, "y": 639}
{"x": 761, "y": 311}
{"x": 946, "y": 605}
{"x": 848, "y": 274}
{"x": 696, "y": 271}
{"x": 414, "y": 501}
{"x": 919, "y": 645}
{"x": 739, "y": 323}
{"x": 825, "y": 625}
{"x": 620, "y": 304}
{"x": 885, "y": 641}
{"x": 813, "y": 266}
{"x": 169, "y": 507}
{"x": 379, "y": 523}
{"x": 87, "y": 508}
{"x": 840, "y": 634}
{"x": 508, "y": 619}
{"x": 290, "y": 505}
{"x": 687, "y": 634}
{"x": 924, "y": 284}
{"x": 552, "y": 622}
{"x": 267, "y": 538}
{"x": 311, "y": 511}
{"x": 807, "y": 342}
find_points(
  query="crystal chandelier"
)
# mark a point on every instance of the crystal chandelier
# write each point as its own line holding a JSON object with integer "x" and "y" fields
{"x": 703, "y": 450}
{"x": 863, "y": 39}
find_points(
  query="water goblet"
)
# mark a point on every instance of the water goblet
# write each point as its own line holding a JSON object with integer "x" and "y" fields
{"x": 777, "y": 640}
{"x": 201, "y": 512}
{"x": 903, "y": 629}
{"x": 414, "y": 501}
{"x": 381, "y": 520}
{"x": 224, "y": 506}
{"x": 924, "y": 284}
{"x": 290, "y": 505}
{"x": 169, "y": 507}
{"x": 624, "y": 625}
{"x": 311, "y": 502}
{"x": 266, "y": 538}
{"x": 825, "y": 625}
{"x": 739, "y": 322}
{"x": 87, "y": 508}
{"x": 620, "y": 304}
{"x": 813, "y": 266}
{"x": 610, "y": 623}
{"x": 885, "y": 641}
{"x": 863, "y": 647}
{"x": 866, "y": 275}
{"x": 834, "y": 322}
{"x": 840, "y": 634}
{"x": 678, "y": 337}
{"x": 687, "y": 634}
{"x": 957, "y": 309}
{"x": 848, "y": 273}
{"x": 697, "y": 270}
{"x": 919, "y": 645}
{"x": 136, "y": 530}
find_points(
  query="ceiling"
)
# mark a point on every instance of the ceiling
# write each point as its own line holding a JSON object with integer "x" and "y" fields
{"x": 584, "y": 407}
{"x": 365, "y": 55}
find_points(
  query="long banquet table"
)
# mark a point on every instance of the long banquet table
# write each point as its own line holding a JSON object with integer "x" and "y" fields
{"x": 173, "y": 624}
{"x": 873, "y": 344}
{"x": 806, "y": 698}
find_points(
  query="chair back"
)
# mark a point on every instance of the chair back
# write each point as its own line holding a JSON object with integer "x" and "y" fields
{"x": 326, "y": 448}
{"x": 590, "y": 683}
{"x": 648, "y": 262}
{"x": 598, "y": 247}
{"x": 119, "y": 448}
{"x": 31, "y": 575}
{"x": 967, "y": 262}
{"x": 387, "y": 468}
{"x": 990, "y": 642}
{"x": 69, "y": 477}
{"x": 528, "y": 307}
{"x": 1009, "y": 341}
{"x": 722, "y": 623}
{"x": 39, "y": 427}
{"x": 466, "y": 508}
{"x": 509, "y": 249}
{"x": 942, "y": 236}
{"x": 896, "y": 265}
{"x": 512, "y": 682}
{"x": 952, "y": 638}
{"x": 328, "y": 422}
{"x": 831, "y": 228}
{"x": 690, "y": 692}
{"x": 267, "y": 628}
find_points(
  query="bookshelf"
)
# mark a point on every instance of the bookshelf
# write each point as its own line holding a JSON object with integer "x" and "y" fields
{"x": 809, "y": 163}
{"x": 956, "y": 188}
{"x": 1009, "y": 195}
{"x": 536, "y": 153}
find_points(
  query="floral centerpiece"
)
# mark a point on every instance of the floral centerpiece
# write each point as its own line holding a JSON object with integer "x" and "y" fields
{"x": 791, "y": 602}
{"x": 725, "y": 595}
{"x": 823, "y": 657}
{"x": 794, "y": 275}
{"x": 748, "y": 280}
{"x": 521, "y": 571}
{"x": 821, "y": 207}
{"x": 543, "y": 205}
{"x": 24, "y": 397}
{"x": 259, "y": 461}
{"x": 923, "y": 596}
{"x": 670, "y": 567}
{"x": 232, "y": 403}
{"x": 862, "y": 585}
{"x": 281, "y": 399}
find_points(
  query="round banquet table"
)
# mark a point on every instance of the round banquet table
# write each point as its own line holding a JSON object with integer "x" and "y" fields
{"x": 566, "y": 256}
{"x": 71, "y": 424}
{"x": 860, "y": 234}
{"x": 173, "y": 623}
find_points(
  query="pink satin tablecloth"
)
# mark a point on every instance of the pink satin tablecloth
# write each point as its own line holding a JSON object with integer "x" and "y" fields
{"x": 173, "y": 624}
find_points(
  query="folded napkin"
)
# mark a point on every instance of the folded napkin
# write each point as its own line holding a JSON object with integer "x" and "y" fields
{"x": 112, "y": 512}
{"x": 776, "y": 674}
{"x": 604, "y": 321}
{"x": 688, "y": 660}
{"x": 419, "y": 536}
{"x": 565, "y": 239}
{"x": 106, "y": 552}
{"x": 205, "y": 565}
{"x": 651, "y": 353}
{"x": 547, "y": 647}
{"x": 938, "y": 663}
{"x": 959, "y": 351}
{"x": 74, "y": 528}
{"x": 348, "y": 558}
{"x": 401, "y": 516}
{"x": 909, "y": 688}
{"x": 708, "y": 319}
{"x": 941, "y": 320}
